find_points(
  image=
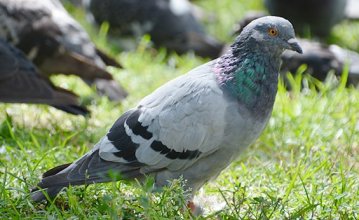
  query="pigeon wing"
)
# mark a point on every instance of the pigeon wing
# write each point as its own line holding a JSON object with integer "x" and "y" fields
{"x": 171, "y": 128}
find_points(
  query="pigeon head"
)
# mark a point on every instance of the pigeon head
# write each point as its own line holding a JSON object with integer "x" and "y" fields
{"x": 268, "y": 34}
{"x": 249, "y": 70}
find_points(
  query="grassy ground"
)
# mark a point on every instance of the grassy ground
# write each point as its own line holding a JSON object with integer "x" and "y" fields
{"x": 305, "y": 164}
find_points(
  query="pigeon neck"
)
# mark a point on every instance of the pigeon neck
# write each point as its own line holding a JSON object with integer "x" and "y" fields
{"x": 251, "y": 77}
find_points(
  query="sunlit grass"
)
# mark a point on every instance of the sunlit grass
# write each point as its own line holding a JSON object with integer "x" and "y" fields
{"x": 305, "y": 164}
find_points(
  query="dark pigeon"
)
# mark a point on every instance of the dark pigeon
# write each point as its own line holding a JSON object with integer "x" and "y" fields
{"x": 20, "y": 82}
{"x": 56, "y": 43}
{"x": 170, "y": 23}
{"x": 321, "y": 59}
{"x": 316, "y": 16}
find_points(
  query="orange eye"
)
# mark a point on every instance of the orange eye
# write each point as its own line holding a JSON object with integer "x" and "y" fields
{"x": 272, "y": 32}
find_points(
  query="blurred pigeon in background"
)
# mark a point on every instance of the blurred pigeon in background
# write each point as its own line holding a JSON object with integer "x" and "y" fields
{"x": 170, "y": 23}
{"x": 20, "y": 82}
{"x": 316, "y": 17}
{"x": 195, "y": 125}
{"x": 56, "y": 43}
{"x": 321, "y": 59}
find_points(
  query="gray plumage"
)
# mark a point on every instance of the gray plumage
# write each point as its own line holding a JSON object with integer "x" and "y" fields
{"x": 56, "y": 43}
{"x": 20, "y": 82}
{"x": 318, "y": 16}
{"x": 193, "y": 126}
{"x": 171, "y": 23}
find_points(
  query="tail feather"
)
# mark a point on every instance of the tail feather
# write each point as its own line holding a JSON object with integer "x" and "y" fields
{"x": 40, "y": 195}
{"x": 73, "y": 63}
{"x": 68, "y": 102}
{"x": 109, "y": 61}
{"x": 111, "y": 89}
{"x": 73, "y": 109}
{"x": 55, "y": 170}
{"x": 87, "y": 170}
{"x": 23, "y": 87}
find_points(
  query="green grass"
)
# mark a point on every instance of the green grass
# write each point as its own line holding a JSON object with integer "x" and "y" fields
{"x": 304, "y": 166}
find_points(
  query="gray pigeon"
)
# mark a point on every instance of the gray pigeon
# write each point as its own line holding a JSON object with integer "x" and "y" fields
{"x": 193, "y": 126}
{"x": 20, "y": 82}
{"x": 316, "y": 16}
{"x": 56, "y": 43}
{"x": 171, "y": 23}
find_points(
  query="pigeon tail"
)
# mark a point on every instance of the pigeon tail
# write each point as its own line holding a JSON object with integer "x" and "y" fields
{"x": 73, "y": 109}
{"x": 109, "y": 61}
{"x": 88, "y": 71}
{"x": 89, "y": 169}
{"x": 67, "y": 101}
{"x": 68, "y": 63}
{"x": 40, "y": 195}
{"x": 40, "y": 91}
{"x": 110, "y": 88}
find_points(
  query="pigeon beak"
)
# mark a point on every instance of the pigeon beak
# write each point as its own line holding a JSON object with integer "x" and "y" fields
{"x": 294, "y": 45}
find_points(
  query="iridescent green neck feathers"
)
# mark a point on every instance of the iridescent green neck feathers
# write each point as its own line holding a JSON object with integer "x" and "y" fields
{"x": 251, "y": 78}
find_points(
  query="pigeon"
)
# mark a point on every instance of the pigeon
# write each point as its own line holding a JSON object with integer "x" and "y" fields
{"x": 56, "y": 43}
{"x": 20, "y": 82}
{"x": 319, "y": 58}
{"x": 193, "y": 126}
{"x": 170, "y": 23}
{"x": 318, "y": 17}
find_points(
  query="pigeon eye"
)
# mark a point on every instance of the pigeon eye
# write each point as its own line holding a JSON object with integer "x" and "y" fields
{"x": 272, "y": 32}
